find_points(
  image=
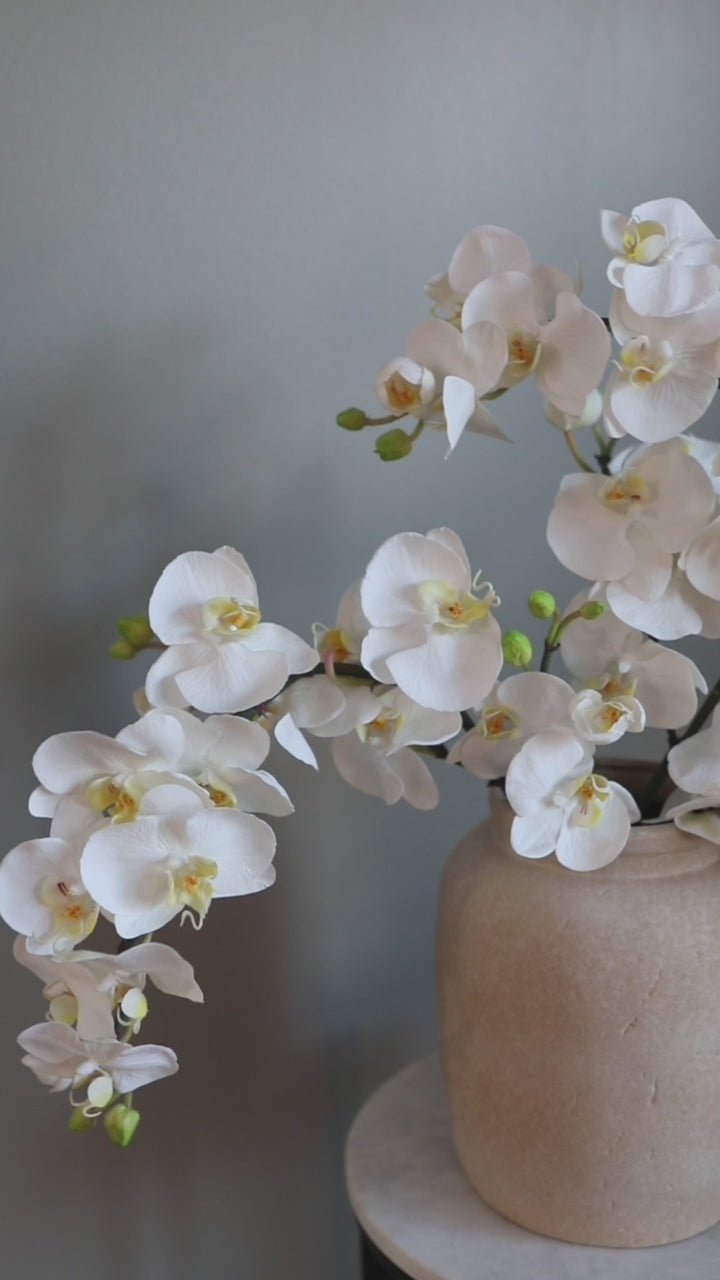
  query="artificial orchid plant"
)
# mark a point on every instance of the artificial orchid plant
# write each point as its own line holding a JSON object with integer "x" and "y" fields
{"x": 159, "y": 820}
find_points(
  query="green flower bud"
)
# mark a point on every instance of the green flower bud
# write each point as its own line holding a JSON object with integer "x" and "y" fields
{"x": 79, "y": 1122}
{"x": 121, "y": 1123}
{"x": 394, "y": 444}
{"x": 592, "y": 609}
{"x": 517, "y": 649}
{"x": 541, "y": 604}
{"x": 137, "y": 631}
{"x": 352, "y": 419}
{"x": 121, "y": 649}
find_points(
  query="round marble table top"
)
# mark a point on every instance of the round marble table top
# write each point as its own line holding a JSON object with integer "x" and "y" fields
{"x": 411, "y": 1197}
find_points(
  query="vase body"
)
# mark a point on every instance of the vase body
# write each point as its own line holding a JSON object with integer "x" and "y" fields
{"x": 580, "y": 1034}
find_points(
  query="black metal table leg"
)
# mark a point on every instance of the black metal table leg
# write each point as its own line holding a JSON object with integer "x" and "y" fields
{"x": 375, "y": 1265}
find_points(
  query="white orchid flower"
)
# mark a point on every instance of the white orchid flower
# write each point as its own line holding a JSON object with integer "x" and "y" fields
{"x": 57, "y": 1055}
{"x": 546, "y": 333}
{"x": 484, "y": 251}
{"x": 562, "y": 806}
{"x": 44, "y": 897}
{"x": 221, "y": 657}
{"x": 89, "y": 989}
{"x": 375, "y": 757}
{"x": 602, "y": 718}
{"x": 324, "y": 707}
{"x": 94, "y": 768}
{"x": 666, "y": 258}
{"x": 676, "y": 611}
{"x": 405, "y": 387}
{"x": 694, "y": 766}
{"x": 667, "y": 372}
{"x": 429, "y": 633}
{"x": 626, "y": 528}
{"x": 516, "y": 709}
{"x": 617, "y": 660}
{"x": 222, "y": 755}
{"x": 175, "y": 858}
{"x": 466, "y": 366}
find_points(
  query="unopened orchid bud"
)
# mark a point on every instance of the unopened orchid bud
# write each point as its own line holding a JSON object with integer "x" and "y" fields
{"x": 393, "y": 445}
{"x": 121, "y": 1123}
{"x": 517, "y": 649}
{"x": 137, "y": 631}
{"x": 542, "y": 604}
{"x": 121, "y": 649}
{"x": 352, "y": 419}
{"x": 592, "y": 609}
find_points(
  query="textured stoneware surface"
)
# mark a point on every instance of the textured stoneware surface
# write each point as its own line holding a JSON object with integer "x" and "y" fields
{"x": 580, "y": 1034}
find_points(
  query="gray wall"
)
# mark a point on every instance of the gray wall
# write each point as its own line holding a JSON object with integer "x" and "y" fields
{"x": 217, "y": 221}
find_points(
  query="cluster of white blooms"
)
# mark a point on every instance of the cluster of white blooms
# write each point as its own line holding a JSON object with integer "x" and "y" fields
{"x": 505, "y": 320}
{"x": 156, "y": 822}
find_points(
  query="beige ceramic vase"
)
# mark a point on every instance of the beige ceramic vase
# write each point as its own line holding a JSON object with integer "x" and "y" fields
{"x": 580, "y": 1034}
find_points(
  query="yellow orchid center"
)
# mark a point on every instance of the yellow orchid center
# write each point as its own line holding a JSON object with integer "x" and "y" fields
{"x": 226, "y": 616}
{"x": 524, "y": 352}
{"x": 497, "y": 722}
{"x": 621, "y": 684}
{"x": 646, "y": 362}
{"x": 74, "y": 914}
{"x": 644, "y": 242}
{"x": 453, "y": 608}
{"x": 220, "y": 794}
{"x": 590, "y": 795}
{"x": 381, "y": 731}
{"x": 622, "y": 492}
{"x": 192, "y": 885}
{"x": 112, "y": 799}
{"x": 338, "y": 643}
{"x": 401, "y": 395}
{"x": 609, "y": 716}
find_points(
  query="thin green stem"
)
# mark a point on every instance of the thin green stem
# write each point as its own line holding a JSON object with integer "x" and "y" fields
{"x": 384, "y": 422}
{"x": 572, "y": 446}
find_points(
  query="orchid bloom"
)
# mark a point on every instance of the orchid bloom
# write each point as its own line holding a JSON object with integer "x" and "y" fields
{"x": 627, "y": 529}
{"x": 547, "y": 332}
{"x": 44, "y": 897}
{"x": 563, "y": 806}
{"x": 665, "y": 257}
{"x": 175, "y": 858}
{"x": 429, "y": 633}
{"x": 482, "y": 252}
{"x": 694, "y": 766}
{"x": 405, "y": 387}
{"x": 89, "y": 989}
{"x": 221, "y": 656}
{"x": 667, "y": 373}
{"x": 465, "y": 367}
{"x": 376, "y": 757}
{"x": 617, "y": 660}
{"x": 57, "y": 1055}
{"x": 515, "y": 710}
